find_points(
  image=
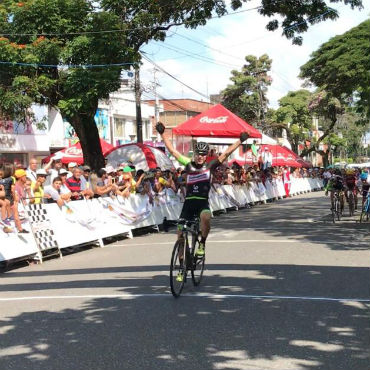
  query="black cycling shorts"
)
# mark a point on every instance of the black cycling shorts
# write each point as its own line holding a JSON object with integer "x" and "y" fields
{"x": 192, "y": 208}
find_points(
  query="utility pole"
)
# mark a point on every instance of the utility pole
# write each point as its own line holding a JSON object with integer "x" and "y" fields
{"x": 139, "y": 121}
{"x": 156, "y": 106}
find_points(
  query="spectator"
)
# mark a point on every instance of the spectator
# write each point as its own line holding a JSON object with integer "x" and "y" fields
{"x": 127, "y": 185}
{"x": 71, "y": 166}
{"x": 159, "y": 182}
{"x": 255, "y": 149}
{"x": 30, "y": 198}
{"x": 6, "y": 212}
{"x": 38, "y": 186}
{"x": 266, "y": 158}
{"x": 86, "y": 175}
{"x": 64, "y": 189}
{"x": 74, "y": 185}
{"x": 56, "y": 164}
{"x": 18, "y": 196}
{"x": 101, "y": 184}
{"x": 31, "y": 170}
{"x": 54, "y": 193}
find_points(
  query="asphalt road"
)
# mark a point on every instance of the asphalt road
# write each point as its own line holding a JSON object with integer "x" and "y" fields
{"x": 284, "y": 288}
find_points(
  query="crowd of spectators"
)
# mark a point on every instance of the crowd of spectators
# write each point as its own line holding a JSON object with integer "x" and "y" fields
{"x": 57, "y": 183}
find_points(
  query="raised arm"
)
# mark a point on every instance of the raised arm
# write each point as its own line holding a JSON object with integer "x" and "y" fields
{"x": 160, "y": 128}
{"x": 232, "y": 147}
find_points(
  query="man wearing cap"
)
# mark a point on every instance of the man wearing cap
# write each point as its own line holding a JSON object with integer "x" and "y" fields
{"x": 64, "y": 190}
{"x": 38, "y": 186}
{"x": 19, "y": 195}
{"x": 71, "y": 166}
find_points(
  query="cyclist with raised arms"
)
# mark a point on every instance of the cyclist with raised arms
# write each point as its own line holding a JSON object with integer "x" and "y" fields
{"x": 198, "y": 182}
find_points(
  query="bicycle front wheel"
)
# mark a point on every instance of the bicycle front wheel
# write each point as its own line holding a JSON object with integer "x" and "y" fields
{"x": 197, "y": 265}
{"x": 338, "y": 209}
{"x": 178, "y": 268}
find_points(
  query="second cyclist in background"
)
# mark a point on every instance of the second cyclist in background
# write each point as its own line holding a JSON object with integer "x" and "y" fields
{"x": 336, "y": 184}
{"x": 350, "y": 182}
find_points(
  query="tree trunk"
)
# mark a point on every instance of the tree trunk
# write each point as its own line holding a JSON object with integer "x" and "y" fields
{"x": 87, "y": 132}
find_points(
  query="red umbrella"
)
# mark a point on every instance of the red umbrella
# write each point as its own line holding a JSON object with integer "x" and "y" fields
{"x": 140, "y": 155}
{"x": 74, "y": 153}
{"x": 216, "y": 122}
{"x": 281, "y": 156}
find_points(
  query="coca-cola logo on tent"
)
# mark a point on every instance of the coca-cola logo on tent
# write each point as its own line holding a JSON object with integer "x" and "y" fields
{"x": 206, "y": 119}
{"x": 73, "y": 151}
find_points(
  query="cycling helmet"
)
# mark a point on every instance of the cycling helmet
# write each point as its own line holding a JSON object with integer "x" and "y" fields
{"x": 201, "y": 148}
{"x": 350, "y": 171}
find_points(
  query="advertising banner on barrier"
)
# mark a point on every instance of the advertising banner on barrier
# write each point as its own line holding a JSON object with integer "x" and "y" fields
{"x": 41, "y": 227}
{"x": 84, "y": 221}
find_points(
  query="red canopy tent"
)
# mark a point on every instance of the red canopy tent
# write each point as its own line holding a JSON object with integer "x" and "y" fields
{"x": 74, "y": 153}
{"x": 216, "y": 122}
{"x": 281, "y": 156}
{"x": 300, "y": 160}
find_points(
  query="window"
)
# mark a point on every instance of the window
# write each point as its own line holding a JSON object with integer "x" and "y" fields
{"x": 119, "y": 127}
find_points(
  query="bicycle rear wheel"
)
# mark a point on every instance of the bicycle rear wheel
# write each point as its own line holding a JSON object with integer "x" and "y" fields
{"x": 178, "y": 267}
{"x": 351, "y": 203}
{"x": 197, "y": 265}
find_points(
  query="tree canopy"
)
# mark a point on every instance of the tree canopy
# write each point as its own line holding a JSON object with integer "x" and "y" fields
{"x": 341, "y": 67}
{"x": 294, "y": 116}
{"x": 70, "y": 53}
{"x": 246, "y": 97}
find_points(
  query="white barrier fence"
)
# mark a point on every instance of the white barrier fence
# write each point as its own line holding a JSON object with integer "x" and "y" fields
{"x": 87, "y": 221}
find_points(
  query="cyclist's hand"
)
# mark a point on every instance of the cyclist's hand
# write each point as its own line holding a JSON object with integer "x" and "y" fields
{"x": 160, "y": 127}
{"x": 243, "y": 136}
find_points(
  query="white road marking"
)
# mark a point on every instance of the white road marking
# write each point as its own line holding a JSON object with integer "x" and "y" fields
{"x": 274, "y": 241}
{"x": 187, "y": 295}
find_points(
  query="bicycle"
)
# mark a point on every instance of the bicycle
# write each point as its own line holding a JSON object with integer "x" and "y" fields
{"x": 351, "y": 202}
{"x": 336, "y": 207}
{"x": 365, "y": 209}
{"x": 184, "y": 258}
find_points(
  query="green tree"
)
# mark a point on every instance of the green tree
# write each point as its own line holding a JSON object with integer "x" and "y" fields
{"x": 246, "y": 97}
{"x": 341, "y": 67}
{"x": 46, "y": 33}
{"x": 294, "y": 117}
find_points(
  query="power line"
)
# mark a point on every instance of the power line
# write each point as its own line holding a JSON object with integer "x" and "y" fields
{"x": 175, "y": 78}
{"x": 198, "y": 57}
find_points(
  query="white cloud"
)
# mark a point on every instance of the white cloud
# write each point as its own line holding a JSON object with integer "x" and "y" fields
{"x": 237, "y": 36}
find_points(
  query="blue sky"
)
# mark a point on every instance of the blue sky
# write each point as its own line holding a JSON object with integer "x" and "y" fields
{"x": 224, "y": 43}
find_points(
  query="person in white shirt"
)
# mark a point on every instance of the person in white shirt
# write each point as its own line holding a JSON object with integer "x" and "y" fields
{"x": 64, "y": 190}
{"x": 56, "y": 164}
{"x": 266, "y": 158}
{"x": 53, "y": 192}
{"x": 31, "y": 170}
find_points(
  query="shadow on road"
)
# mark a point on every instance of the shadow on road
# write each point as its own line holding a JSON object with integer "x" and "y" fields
{"x": 160, "y": 332}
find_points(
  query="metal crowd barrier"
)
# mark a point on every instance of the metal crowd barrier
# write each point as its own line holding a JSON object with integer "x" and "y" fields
{"x": 90, "y": 221}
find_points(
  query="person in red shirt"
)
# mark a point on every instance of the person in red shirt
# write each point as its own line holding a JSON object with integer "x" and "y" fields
{"x": 74, "y": 185}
